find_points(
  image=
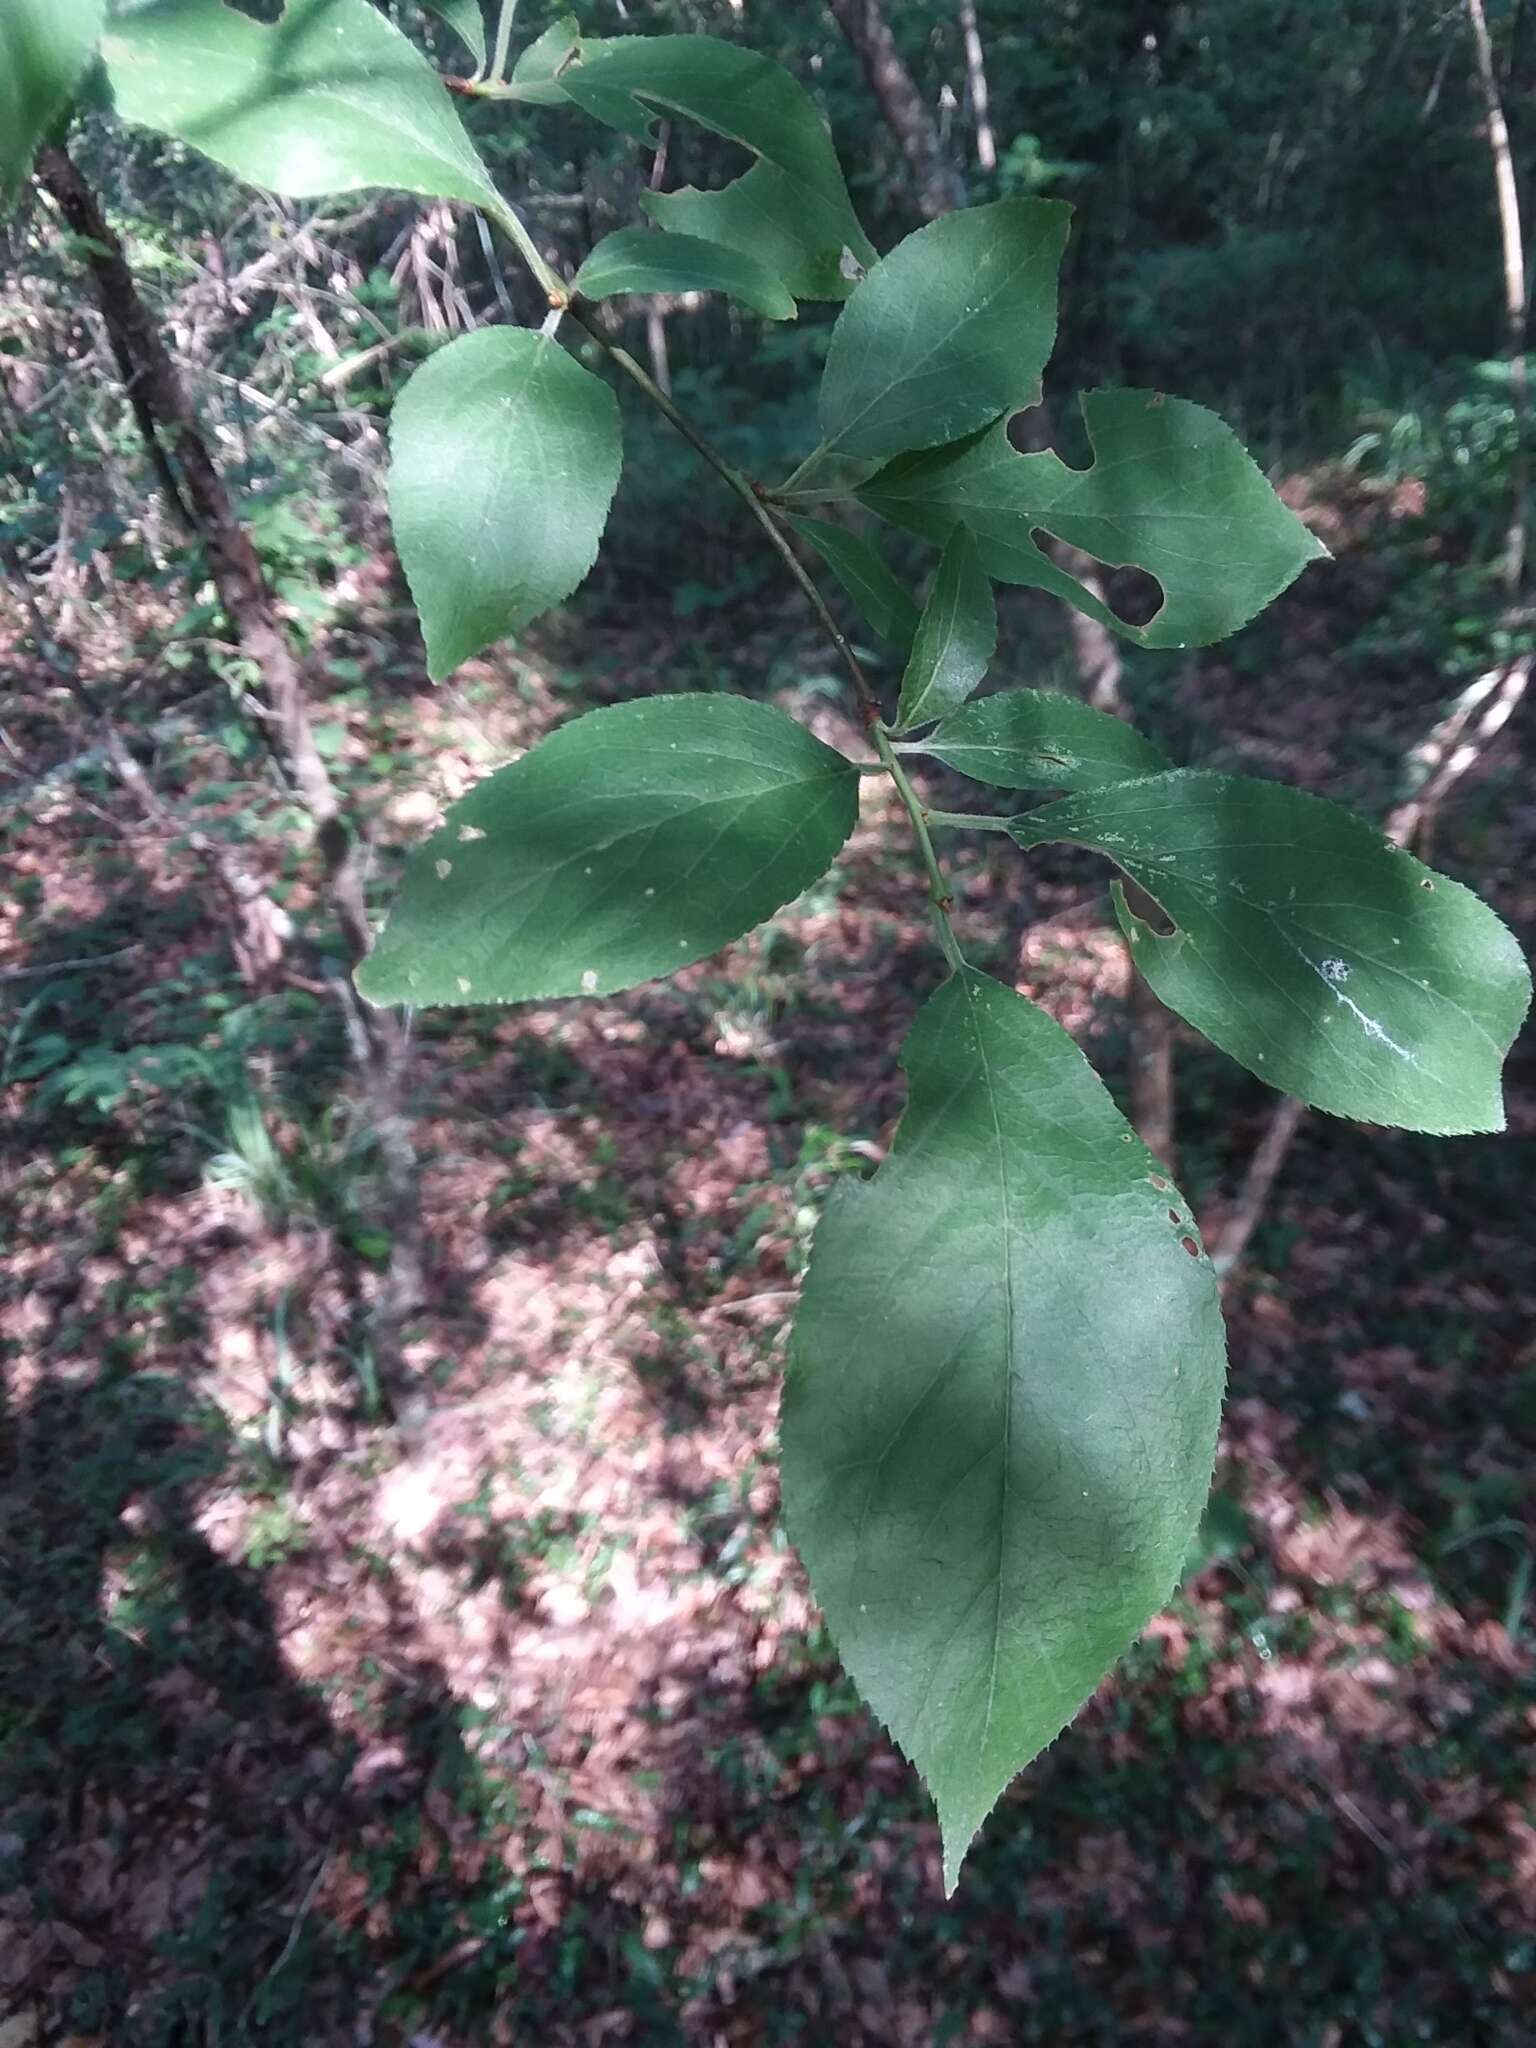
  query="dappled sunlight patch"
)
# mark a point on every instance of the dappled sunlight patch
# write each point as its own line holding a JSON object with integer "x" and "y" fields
{"x": 576, "y": 1580}
{"x": 1073, "y": 967}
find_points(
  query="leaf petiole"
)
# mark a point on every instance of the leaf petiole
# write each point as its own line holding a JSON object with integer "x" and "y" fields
{"x": 938, "y": 886}
{"x": 969, "y": 821}
{"x": 498, "y": 71}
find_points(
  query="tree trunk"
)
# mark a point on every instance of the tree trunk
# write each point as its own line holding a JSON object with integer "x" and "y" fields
{"x": 259, "y": 928}
{"x": 937, "y": 185}
{"x": 976, "y": 86}
{"x": 1513, "y": 244}
{"x": 173, "y": 437}
{"x": 1450, "y": 751}
{"x": 655, "y": 312}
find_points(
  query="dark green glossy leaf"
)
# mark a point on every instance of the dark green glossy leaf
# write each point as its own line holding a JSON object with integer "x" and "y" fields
{"x": 330, "y": 99}
{"x": 866, "y": 577}
{"x": 634, "y": 260}
{"x": 629, "y": 843}
{"x": 505, "y": 456}
{"x": 1039, "y": 739}
{"x": 1315, "y": 952}
{"x": 956, "y": 637}
{"x": 949, "y": 331}
{"x": 1171, "y": 491}
{"x": 45, "y": 46}
{"x": 1002, "y": 1399}
{"x": 791, "y": 210}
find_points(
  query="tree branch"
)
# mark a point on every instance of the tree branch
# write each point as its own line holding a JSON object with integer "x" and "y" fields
{"x": 169, "y": 422}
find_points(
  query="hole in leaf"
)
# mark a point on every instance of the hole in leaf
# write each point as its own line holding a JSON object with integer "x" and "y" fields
{"x": 1029, "y": 431}
{"x": 1134, "y": 595}
{"x": 1174, "y": 1216}
{"x": 1191, "y": 1246}
{"x": 1148, "y": 911}
{"x": 1159, "y": 1183}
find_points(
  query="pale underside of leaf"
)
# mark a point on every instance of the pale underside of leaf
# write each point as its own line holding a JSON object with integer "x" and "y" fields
{"x": 506, "y": 455}
{"x": 1322, "y": 957}
{"x": 45, "y": 46}
{"x": 633, "y": 260}
{"x": 330, "y": 99}
{"x": 1000, "y": 1413}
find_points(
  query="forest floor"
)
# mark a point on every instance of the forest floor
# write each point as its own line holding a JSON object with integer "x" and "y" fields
{"x": 523, "y": 1730}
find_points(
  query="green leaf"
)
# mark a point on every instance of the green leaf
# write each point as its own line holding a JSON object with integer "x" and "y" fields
{"x": 760, "y": 212}
{"x": 536, "y": 74}
{"x": 1039, "y": 739}
{"x": 866, "y": 577}
{"x": 956, "y": 637}
{"x": 1001, "y": 1407}
{"x": 1314, "y": 951}
{"x": 633, "y": 260}
{"x": 791, "y": 210}
{"x": 45, "y": 46}
{"x": 331, "y": 99}
{"x": 1171, "y": 491}
{"x": 468, "y": 24}
{"x": 631, "y": 842}
{"x": 505, "y": 457}
{"x": 949, "y": 331}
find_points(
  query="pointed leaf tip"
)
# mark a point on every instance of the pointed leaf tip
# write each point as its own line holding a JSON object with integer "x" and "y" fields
{"x": 1171, "y": 491}
{"x": 1000, "y": 1413}
{"x": 1323, "y": 958}
{"x": 791, "y": 209}
{"x": 631, "y": 842}
{"x": 949, "y": 331}
{"x": 505, "y": 455}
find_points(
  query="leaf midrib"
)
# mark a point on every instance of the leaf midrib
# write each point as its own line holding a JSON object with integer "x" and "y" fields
{"x": 1009, "y": 1314}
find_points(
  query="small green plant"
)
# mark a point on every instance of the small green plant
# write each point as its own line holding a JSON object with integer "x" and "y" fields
{"x": 310, "y": 1178}
{"x": 275, "y": 1532}
{"x": 252, "y": 1166}
{"x": 1006, "y": 1377}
